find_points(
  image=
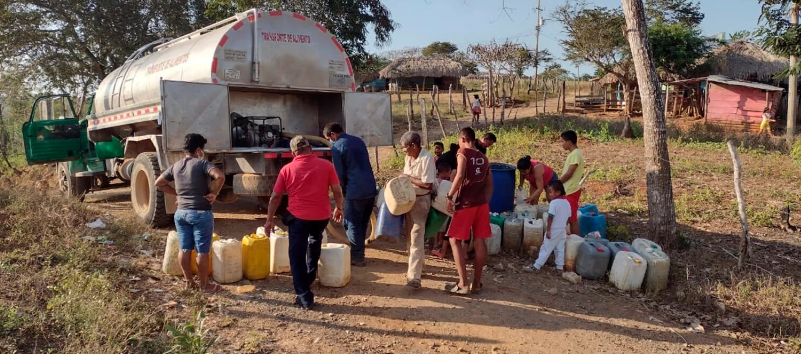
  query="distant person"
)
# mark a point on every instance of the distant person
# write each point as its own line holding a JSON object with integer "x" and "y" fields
{"x": 443, "y": 174}
{"x": 352, "y": 163}
{"x": 556, "y": 235}
{"x": 468, "y": 199}
{"x": 194, "y": 220}
{"x": 476, "y": 108}
{"x": 538, "y": 176}
{"x": 439, "y": 148}
{"x": 767, "y": 118}
{"x": 571, "y": 176}
{"x": 419, "y": 167}
{"x": 307, "y": 180}
{"x": 485, "y": 142}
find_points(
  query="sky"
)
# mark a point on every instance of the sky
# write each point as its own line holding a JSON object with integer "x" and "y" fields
{"x": 465, "y": 22}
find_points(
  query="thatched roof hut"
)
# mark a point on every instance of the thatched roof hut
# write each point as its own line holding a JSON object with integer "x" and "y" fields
{"x": 424, "y": 71}
{"x": 745, "y": 61}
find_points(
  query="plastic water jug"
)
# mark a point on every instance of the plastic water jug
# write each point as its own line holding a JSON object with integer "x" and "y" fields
{"x": 193, "y": 262}
{"x": 656, "y": 275}
{"x": 542, "y": 211}
{"x": 513, "y": 234}
{"x": 592, "y": 260}
{"x": 628, "y": 271}
{"x": 440, "y": 202}
{"x": 379, "y": 198}
{"x": 497, "y": 219}
{"x": 388, "y": 225}
{"x": 572, "y": 244}
{"x": 494, "y": 243}
{"x": 434, "y": 222}
{"x": 171, "y": 264}
{"x": 520, "y": 197}
{"x": 227, "y": 261}
{"x": 334, "y": 269}
{"x": 532, "y": 235}
{"x": 279, "y": 252}
{"x": 615, "y": 247}
{"x": 399, "y": 195}
{"x": 641, "y": 244}
{"x": 526, "y": 211}
{"x": 590, "y": 223}
{"x": 260, "y": 231}
{"x": 595, "y": 236}
{"x": 255, "y": 256}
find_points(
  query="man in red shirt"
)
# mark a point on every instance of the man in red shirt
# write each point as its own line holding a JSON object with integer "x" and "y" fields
{"x": 468, "y": 199}
{"x": 306, "y": 180}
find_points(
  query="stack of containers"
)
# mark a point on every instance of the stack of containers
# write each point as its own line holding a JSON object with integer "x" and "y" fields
{"x": 656, "y": 273}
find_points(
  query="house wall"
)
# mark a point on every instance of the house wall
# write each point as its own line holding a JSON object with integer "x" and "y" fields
{"x": 739, "y": 103}
{"x": 441, "y": 82}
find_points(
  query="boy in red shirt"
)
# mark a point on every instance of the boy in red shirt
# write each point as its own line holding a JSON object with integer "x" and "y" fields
{"x": 468, "y": 199}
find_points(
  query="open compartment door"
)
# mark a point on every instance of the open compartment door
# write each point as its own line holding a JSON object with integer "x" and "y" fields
{"x": 53, "y": 132}
{"x": 195, "y": 108}
{"x": 368, "y": 116}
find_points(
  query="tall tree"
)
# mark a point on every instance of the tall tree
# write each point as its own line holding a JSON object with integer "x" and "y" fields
{"x": 686, "y": 12}
{"x": 677, "y": 47}
{"x": 781, "y": 34}
{"x": 350, "y": 21}
{"x": 661, "y": 210}
{"x": 446, "y": 49}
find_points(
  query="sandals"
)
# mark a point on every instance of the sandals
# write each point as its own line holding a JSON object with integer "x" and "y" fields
{"x": 455, "y": 289}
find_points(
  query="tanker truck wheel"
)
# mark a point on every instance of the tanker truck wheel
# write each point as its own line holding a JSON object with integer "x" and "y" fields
{"x": 72, "y": 186}
{"x": 147, "y": 200}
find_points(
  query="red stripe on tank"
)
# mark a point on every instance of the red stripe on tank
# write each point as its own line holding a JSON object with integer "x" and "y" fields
{"x": 299, "y": 17}
{"x": 223, "y": 40}
{"x": 214, "y": 66}
{"x": 276, "y": 13}
{"x": 238, "y": 25}
{"x": 321, "y": 28}
{"x": 350, "y": 68}
{"x": 336, "y": 43}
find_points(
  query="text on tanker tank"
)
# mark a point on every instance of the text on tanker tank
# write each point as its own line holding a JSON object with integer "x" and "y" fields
{"x": 166, "y": 64}
{"x": 286, "y": 37}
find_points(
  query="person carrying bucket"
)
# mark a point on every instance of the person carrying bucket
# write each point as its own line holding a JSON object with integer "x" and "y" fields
{"x": 538, "y": 176}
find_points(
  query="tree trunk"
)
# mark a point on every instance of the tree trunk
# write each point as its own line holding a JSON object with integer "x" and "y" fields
{"x": 661, "y": 210}
{"x": 464, "y": 98}
{"x": 562, "y": 101}
{"x": 745, "y": 239}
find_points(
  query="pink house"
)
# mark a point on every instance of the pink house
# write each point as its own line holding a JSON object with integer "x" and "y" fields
{"x": 731, "y": 102}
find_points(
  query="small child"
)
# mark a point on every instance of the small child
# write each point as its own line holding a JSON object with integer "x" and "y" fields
{"x": 476, "y": 108}
{"x": 571, "y": 176}
{"x": 556, "y": 235}
{"x": 767, "y": 118}
{"x": 443, "y": 174}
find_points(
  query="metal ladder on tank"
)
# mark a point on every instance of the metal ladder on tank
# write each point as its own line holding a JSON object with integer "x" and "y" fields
{"x": 122, "y": 78}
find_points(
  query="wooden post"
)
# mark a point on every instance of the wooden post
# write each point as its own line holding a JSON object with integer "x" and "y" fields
{"x": 397, "y": 89}
{"x": 424, "y": 127}
{"x": 435, "y": 105}
{"x": 464, "y": 98}
{"x": 417, "y": 88}
{"x": 536, "y": 99}
{"x": 675, "y": 103}
{"x": 377, "y": 167}
{"x": 503, "y": 106}
{"x": 745, "y": 239}
{"x": 437, "y": 87}
{"x": 411, "y": 104}
{"x": 564, "y": 93}
{"x": 604, "y": 99}
{"x": 450, "y": 98}
{"x": 706, "y": 104}
{"x": 409, "y": 117}
{"x": 667, "y": 99}
{"x": 544, "y": 98}
{"x": 484, "y": 110}
{"x": 434, "y": 92}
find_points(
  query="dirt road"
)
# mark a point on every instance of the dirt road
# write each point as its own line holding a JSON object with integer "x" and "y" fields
{"x": 376, "y": 313}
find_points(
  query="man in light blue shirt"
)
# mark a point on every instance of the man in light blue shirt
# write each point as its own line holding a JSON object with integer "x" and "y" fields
{"x": 352, "y": 163}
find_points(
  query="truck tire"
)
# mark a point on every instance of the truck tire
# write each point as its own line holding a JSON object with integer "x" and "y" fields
{"x": 251, "y": 184}
{"x": 72, "y": 186}
{"x": 147, "y": 200}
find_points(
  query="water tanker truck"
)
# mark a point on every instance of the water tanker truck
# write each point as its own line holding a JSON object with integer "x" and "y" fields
{"x": 247, "y": 84}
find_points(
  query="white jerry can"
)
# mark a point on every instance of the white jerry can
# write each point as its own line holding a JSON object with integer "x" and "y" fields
{"x": 334, "y": 265}
{"x": 227, "y": 261}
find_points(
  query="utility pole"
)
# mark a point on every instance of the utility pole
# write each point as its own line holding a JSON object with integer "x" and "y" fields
{"x": 792, "y": 99}
{"x": 536, "y": 53}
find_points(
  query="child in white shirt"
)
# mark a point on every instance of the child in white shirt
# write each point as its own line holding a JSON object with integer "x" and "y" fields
{"x": 556, "y": 235}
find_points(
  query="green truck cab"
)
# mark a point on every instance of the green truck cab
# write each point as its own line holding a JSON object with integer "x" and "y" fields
{"x": 55, "y": 134}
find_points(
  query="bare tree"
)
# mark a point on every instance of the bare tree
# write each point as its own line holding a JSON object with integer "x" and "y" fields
{"x": 661, "y": 210}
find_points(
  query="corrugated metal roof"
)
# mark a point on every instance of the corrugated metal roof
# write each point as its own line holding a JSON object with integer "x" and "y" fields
{"x": 729, "y": 81}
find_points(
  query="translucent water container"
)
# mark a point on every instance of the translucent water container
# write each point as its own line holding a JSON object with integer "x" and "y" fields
{"x": 641, "y": 244}
{"x": 256, "y": 256}
{"x": 593, "y": 260}
{"x": 379, "y": 198}
{"x": 279, "y": 252}
{"x": 590, "y": 223}
{"x": 520, "y": 197}
{"x": 628, "y": 271}
{"x": 513, "y": 234}
{"x": 494, "y": 243}
{"x": 615, "y": 247}
{"x": 526, "y": 211}
{"x": 193, "y": 262}
{"x": 260, "y": 231}
{"x": 334, "y": 269}
{"x": 656, "y": 274}
{"x": 572, "y": 244}
{"x": 171, "y": 264}
{"x": 388, "y": 225}
{"x": 227, "y": 261}
{"x": 542, "y": 211}
{"x": 497, "y": 219}
{"x": 533, "y": 230}
{"x": 440, "y": 202}
{"x": 595, "y": 236}
{"x": 399, "y": 195}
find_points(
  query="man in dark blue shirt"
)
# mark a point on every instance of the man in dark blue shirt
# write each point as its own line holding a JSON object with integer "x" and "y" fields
{"x": 352, "y": 163}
